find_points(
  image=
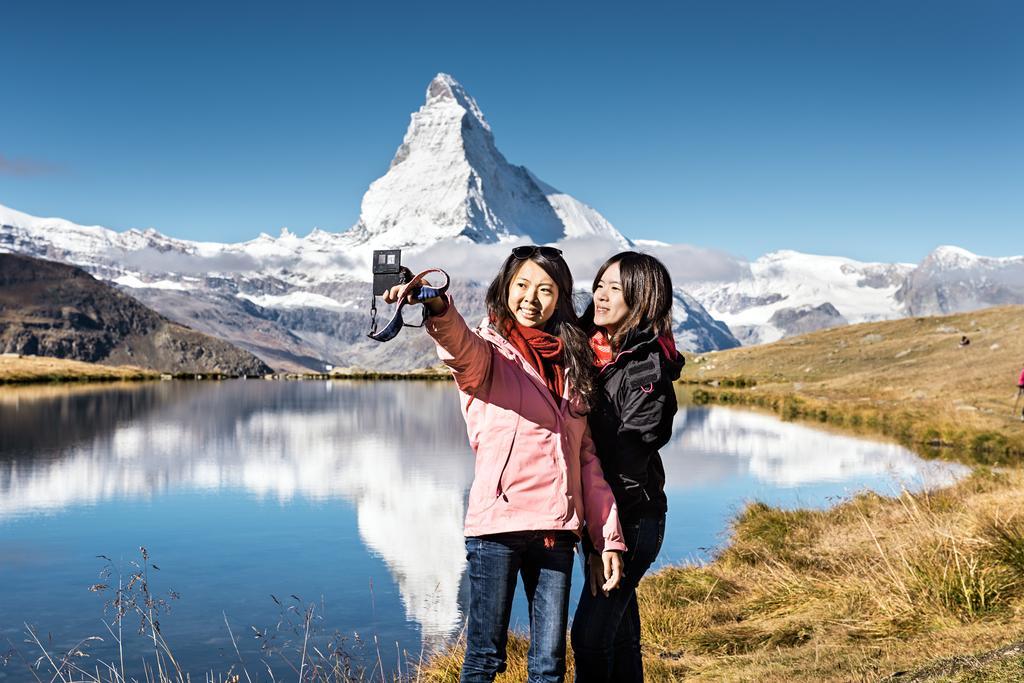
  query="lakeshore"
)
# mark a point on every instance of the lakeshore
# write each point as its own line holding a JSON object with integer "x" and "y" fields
{"x": 17, "y": 369}
{"x": 21, "y": 369}
{"x": 908, "y": 379}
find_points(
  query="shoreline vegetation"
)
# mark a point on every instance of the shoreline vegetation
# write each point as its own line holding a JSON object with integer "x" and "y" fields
{"x": 22, "y": 369}
{"x": 907, "y": 379}
{"x": 925, "y": 586}
{"x": 17, "y": 369}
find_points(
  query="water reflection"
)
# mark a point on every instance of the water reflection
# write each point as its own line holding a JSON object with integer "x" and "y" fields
{"x": 395, "y": 451}
{"x": 717, "y": 443}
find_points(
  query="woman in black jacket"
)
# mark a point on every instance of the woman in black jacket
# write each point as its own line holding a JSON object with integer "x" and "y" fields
{"x": 631, "y": 321}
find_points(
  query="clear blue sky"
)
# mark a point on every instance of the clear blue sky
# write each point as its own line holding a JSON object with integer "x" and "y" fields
{"x": 875, "y": 129}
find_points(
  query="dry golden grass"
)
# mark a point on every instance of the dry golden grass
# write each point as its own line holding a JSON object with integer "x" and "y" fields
{"x": 437, "y": 372}
{"x": 444, "y": 667}
{"x": 26, "y": 369}
{"x": 872, "y": 587}
{"x": 908, "y": 378}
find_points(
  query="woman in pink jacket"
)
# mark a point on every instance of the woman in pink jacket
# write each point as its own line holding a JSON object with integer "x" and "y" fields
{"x": 525, "y": 381}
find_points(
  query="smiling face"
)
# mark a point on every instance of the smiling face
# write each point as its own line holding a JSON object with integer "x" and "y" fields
{"x": 610, "y": 307}
{"x": 532, "y": 295}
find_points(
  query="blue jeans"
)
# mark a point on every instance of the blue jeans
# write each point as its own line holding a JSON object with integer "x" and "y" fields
{"x": 494, "y": 561}
{"x": 606, "y": 630}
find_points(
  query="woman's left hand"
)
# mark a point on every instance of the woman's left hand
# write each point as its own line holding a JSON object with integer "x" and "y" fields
{"x": 607, "y": 573}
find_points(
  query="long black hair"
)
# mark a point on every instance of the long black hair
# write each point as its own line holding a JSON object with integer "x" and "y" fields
{"x": 564, "y": 323}
{"x": 647, "y": 291}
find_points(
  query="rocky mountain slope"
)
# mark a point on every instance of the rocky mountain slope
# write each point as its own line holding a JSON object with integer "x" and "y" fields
{"x": 52, "y": 309}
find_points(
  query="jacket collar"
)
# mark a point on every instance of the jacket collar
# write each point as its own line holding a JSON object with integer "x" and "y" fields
{"x": 645, "y": 341}
{"x": 487, "y": 331}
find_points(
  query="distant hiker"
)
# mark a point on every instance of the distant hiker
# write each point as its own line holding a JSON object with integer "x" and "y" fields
{"x": 1020, "y": 392}
{"x": 964, "y": 341}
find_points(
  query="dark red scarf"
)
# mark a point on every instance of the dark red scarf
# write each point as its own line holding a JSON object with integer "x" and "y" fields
{"x": 542, "y": 350}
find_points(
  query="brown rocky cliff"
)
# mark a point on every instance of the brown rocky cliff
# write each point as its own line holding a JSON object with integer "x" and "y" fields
{"x": 52, "y": 309}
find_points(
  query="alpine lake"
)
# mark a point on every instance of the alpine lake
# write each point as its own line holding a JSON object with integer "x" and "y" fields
{"x": 265, "y": 507}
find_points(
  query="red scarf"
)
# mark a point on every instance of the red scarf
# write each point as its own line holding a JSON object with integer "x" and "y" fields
{"x": 542, "y": 350}
{"x": 602, "y": 347}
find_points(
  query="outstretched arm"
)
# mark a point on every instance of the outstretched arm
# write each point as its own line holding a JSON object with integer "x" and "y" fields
{"x": 468, "y": 356}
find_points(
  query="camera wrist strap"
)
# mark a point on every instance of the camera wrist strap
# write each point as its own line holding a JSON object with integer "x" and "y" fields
{"x": 421, "y": 291}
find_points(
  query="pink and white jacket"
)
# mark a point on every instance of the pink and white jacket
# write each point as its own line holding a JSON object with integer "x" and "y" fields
{"x": 536, "y": 469}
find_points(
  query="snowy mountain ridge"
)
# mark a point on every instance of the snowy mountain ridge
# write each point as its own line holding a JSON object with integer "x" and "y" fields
{"x": 290, "y": 279}
{"x": 789, "y": 284}
{"x": 951, "y": 279}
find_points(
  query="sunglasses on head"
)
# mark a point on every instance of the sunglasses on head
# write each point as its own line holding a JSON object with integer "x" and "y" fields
{"x": 529, "y": 250}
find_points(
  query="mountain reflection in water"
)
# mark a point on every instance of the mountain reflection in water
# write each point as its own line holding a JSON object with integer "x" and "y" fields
{"x": 395, "y": 451}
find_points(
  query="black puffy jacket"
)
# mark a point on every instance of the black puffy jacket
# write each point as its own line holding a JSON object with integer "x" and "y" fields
{"x": 632, "y": 419}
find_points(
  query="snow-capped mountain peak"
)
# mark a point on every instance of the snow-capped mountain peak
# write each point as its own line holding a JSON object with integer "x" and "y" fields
{"x": 951, "y": 279}
{"x": 948, "y": 256}
{"x": 444, "y": 88}
{"x": 448, "y": 180}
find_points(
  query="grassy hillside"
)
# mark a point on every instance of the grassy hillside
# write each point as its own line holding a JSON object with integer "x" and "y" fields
{"x": 906, "y": 378}
{"x": 871, "y": 588}
{"x": 16, "y": 369}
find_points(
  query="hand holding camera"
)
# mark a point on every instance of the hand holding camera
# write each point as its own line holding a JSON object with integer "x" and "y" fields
{"x": 396, "y": 283}
{"x": 435, "y": 304}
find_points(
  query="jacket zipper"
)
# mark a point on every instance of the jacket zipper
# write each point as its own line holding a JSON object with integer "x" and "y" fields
{"x": 615, "y": 360}
{"x": 500, "y": 490}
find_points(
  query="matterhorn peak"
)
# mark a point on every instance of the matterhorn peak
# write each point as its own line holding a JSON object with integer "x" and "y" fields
{"x": 444, "y": 90}
{"x": 449, "y": 181}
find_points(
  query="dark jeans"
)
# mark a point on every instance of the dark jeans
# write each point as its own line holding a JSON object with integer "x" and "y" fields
{"x": 494, "y": 561}
{"x": 606, "y": 630}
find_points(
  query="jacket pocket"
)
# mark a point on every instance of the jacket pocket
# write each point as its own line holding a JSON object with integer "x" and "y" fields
{"x": 533, "y": 480}
{"x": 499, "y": 490}
{"x": 492, "y": 465}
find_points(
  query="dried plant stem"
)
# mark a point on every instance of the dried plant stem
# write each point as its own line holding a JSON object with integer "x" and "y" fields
{"x": 235, "y": 644}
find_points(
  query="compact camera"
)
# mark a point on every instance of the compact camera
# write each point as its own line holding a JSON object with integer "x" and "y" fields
{"x": 388, "y": 270}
